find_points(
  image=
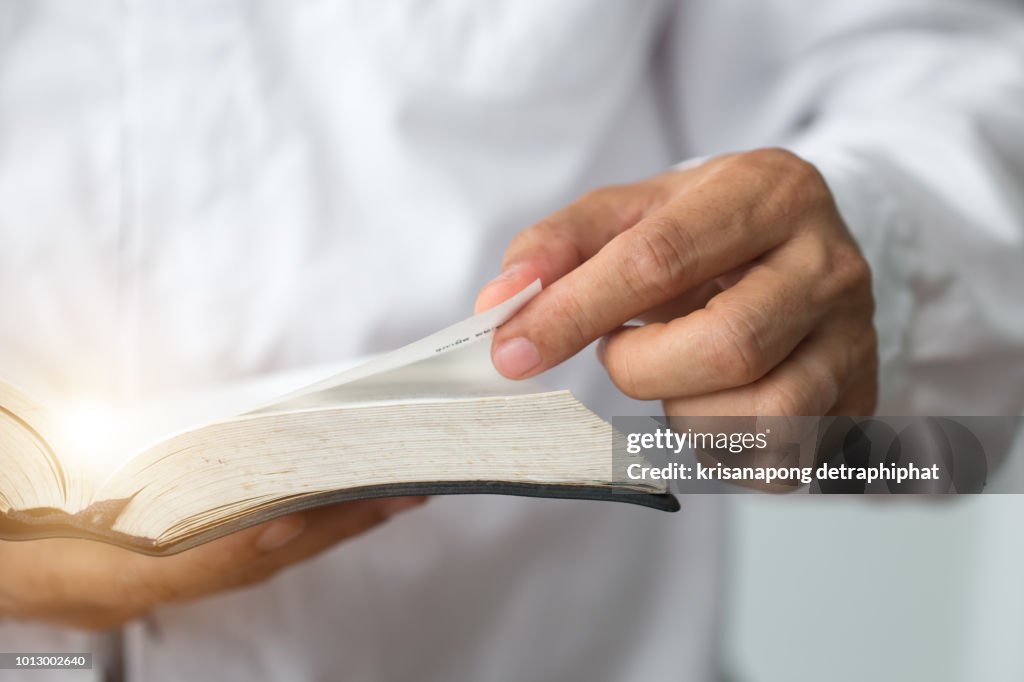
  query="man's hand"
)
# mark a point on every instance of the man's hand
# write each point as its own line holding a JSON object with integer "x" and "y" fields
{"x": 95, "y": 586}
{"x": 756, "y": 299}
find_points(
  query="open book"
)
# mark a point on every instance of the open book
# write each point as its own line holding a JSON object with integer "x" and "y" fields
{"x": 431, "y": 418}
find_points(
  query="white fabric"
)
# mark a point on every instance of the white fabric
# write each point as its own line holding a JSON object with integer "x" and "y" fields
{"x": 202, "y": 190}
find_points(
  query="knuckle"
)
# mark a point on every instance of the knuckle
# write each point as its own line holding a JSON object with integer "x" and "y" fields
{"x": 783, "y": 193}
{"x": 792, "y": 187}
{"x": 780, "y": 399}
{"x": 578, "y": 326}
{"x": 850, "y": 278}
{"x": 735, "y": 354}
{"x": 655, "y": 257}
{"x": 784, "y": 163}
{"x": 855, "y": 272}
{"x": 768, "y": 157}
{"x": 796, "y": 166}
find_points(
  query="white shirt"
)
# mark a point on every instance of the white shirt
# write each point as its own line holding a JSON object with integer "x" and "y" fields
{"x": 199, "y": 191}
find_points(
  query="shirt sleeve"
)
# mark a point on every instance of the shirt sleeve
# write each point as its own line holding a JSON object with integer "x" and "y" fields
{"x": 913, "y": 110}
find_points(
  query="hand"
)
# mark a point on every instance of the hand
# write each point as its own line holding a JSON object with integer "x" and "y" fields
{"x": 756, "y": 299}
{"x": 91, "y": 585}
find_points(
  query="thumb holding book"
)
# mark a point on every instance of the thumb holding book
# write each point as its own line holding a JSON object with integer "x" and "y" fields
{"x": 95, "y": 586}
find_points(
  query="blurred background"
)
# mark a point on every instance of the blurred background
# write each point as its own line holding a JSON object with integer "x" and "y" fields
{"x": 848, "y": 589}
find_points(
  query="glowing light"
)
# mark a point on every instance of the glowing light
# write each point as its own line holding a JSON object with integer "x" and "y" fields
{"x": 86, "y": 436}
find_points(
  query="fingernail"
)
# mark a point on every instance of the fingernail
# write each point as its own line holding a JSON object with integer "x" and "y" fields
{"x": 506, "y": 274}
{"x": 397, "y": 505}
{"x": 280, "y": 532}
{"x": 516, "y": 357}
{"x": 602, "y": 349}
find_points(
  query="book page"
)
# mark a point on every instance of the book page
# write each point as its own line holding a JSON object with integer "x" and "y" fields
{"x": 376, "y": 380}
{"x": 30, "y": 474}
{"x": 230, "y": 468}
{"x": 466, "y": 372}
{"x": 459, "y": 335}
{"x": 95, "y": 439}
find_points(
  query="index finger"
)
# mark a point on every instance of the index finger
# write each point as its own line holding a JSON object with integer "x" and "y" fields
{"x": 703, "y": 233}
{"x": 565, "y": 239}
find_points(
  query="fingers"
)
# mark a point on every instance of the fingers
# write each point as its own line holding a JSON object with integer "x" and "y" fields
{"x": 327, "y": 526}
{"x": 708, "y": 229}
{"x": 756, "y": 296}
{"x": 691, "y": 301}
{"x": 567, "y": 238}
{"x": 822, "y": 372}
{"x": 861, "y": 397}
{"x": 96, "y": 586}
{"x": 256, "y": 553}
{"x": 734, "y": 340}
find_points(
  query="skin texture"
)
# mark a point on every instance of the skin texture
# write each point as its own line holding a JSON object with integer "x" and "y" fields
{"x": 94, "y": 586}
{"x": 754, "y": 296}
